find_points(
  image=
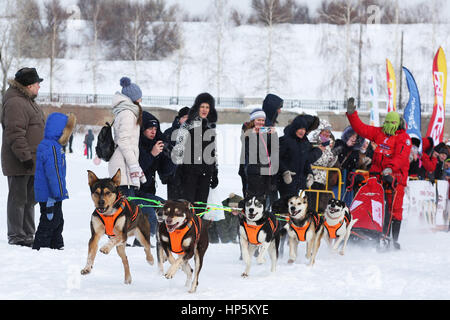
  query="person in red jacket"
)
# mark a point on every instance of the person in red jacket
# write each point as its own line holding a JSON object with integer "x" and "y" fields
{"x": 390, "y": 160}
{"x": 422, "y": 164}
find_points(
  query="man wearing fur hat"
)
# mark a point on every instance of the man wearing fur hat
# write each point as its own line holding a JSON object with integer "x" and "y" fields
{"x": 390, "y": 161}
{"x": 23, "y": 129}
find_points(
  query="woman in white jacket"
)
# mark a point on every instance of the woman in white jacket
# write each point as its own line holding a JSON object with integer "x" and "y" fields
{"x": 126, "y": 128}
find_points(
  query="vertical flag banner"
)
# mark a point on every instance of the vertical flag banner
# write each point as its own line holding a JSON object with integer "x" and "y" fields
{"x": 391, "y": 85}
{"x": 412, "y": 113}
{"x": 374, "y": 112}
{"x": 436, "y": 125}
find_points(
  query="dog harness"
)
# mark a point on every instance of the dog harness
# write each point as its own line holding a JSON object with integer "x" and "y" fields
{"x": 301, "y": 231}
{"x": 177, "y": 236}
{"x": 252, "y": 231}
{"x": 109, "y": 221}
{"x": 333, "y": 229}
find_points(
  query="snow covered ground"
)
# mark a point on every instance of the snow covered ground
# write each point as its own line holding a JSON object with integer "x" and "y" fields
{"x": 419, "y": 271}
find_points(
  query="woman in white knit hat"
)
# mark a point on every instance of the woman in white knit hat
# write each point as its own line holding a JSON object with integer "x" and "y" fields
{"x": 256, "y": 169}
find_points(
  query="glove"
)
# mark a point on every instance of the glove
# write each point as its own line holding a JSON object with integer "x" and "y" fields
{"x": 351, "y": 106}
{"x": 137, "y": 175}
{"x": 387, "y": 171}
{"x": 287, "y": 176}
{"x": 214, "y": 181}
{"x": 28, "y": 164}
{"x": 309, "y": 180}
{"x": 337, "y": 150}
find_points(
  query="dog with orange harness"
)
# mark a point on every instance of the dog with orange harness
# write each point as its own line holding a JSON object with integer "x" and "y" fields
{"x": 184, "y": 233}
{"x": 259, "y": 229}
{"x": 116, "y": 217}
{"x": 303, "y": 226}
{"x": 337, "y": 225}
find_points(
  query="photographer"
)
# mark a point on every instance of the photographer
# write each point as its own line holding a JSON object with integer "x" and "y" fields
{"x": 153, "y": 156}
{"x": 153, "y": 153}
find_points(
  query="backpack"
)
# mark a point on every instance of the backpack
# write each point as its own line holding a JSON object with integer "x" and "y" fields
{"x": 105, "y": 143}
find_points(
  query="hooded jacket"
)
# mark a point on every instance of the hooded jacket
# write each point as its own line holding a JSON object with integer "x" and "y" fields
{"x": 126, "y": 137}
{"x": 150, "y": 164}
{"x": 391, "y": 152}
{"x": 270, "y": 106}
{"x": 50, "y": 176}
{"x": 297, "y": 155}
{"x": 348, "y": 156}
{"x": 23, "y": 125}
{"x": 189, "y": 135}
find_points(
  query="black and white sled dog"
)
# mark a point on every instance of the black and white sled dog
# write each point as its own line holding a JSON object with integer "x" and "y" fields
{"x": 337, "y": 225}
{"x": 304, "y": 225}
{"x": 258, "y": 228}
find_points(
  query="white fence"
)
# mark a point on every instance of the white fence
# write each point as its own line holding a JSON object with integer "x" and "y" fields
{"x": 428, "y": 201}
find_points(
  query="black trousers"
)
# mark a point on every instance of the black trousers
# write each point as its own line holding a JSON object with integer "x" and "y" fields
{"x": 195, "y": 187}
{"x": 49, "y": 231}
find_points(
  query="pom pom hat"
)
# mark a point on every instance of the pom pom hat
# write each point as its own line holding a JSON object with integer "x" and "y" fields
{"x": 131, "y": 90}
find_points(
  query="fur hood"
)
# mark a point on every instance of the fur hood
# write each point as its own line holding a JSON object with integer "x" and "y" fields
{"x": 19, "y": 89}
{"x": 201, "y": 98}
{"x": 59, "y": 127}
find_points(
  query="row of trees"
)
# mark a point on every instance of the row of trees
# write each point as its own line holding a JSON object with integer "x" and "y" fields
{"x": 126, "y": 30}
{"x": 340, "y": 12}
{"x": 150, "y": 30}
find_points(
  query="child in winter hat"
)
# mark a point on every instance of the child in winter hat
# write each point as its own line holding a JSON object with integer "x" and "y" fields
{"x": 131, "y": 90}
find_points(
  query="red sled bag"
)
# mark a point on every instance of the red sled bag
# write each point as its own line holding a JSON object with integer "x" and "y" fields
{"x": 368, "y": 207}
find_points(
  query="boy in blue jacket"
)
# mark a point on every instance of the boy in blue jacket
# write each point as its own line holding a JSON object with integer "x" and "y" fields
{"x": 50, "y": 180}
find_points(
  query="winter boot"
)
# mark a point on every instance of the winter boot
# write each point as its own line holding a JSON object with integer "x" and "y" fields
{"x": 395, "y": 232}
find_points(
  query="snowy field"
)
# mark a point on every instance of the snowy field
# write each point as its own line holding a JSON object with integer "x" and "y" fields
{"x": 419, "y": 271}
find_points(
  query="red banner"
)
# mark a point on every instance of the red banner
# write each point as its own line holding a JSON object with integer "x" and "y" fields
{"x": 436, "y": 125}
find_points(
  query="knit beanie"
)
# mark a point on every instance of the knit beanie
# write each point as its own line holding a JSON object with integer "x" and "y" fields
{"x": 391, "y": 123}
{"x": 131, "y": 90}
{"x": 257, "y": 113}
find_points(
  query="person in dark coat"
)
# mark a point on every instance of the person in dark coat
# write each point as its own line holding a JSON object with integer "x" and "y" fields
{"x": 272, "y": 105}
{"x": 153, "y": 157}
{"x": 195, "y": 151}
{"x": 88, "y": 140}
{"x": 296, "y": 156}
{"x": 348, "y": 148}
{"x": 256, "y": 169}
{"x": 23, "y": 125}
{"x": 173, "y": 180}
{"x": 441, "y": 152}
{"x": 50, "y": 180}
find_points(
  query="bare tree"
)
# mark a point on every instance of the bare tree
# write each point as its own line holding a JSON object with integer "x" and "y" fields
{"x": 27, "y": 30}
{"x": 270, "y": 13}
{"x": 91, "y": 10}
{"x": 144, "y": 30}
{"x": 6, "y": 49}
{"x": 342, "y": 12}
{"x": 56, "y": 23}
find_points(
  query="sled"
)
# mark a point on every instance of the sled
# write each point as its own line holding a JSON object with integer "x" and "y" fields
{"x": 368, "y": 206}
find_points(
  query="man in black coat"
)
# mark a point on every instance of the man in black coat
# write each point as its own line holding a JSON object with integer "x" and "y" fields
{"x": 296, "y": 156}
